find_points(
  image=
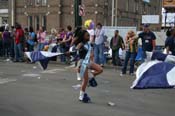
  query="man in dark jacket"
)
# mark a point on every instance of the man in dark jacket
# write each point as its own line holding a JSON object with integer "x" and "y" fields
{"x": 170, "y": 43}
{"x": 115, "y": 44}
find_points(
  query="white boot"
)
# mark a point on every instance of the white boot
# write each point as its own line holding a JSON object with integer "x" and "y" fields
{"x": 81, "y": 95}
{"x": 78, "y": 77}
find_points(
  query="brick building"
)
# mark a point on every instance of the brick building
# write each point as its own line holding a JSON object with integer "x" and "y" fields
{"x": 4, "y": 12}
{"x": 60, "y": 13}
{"x": 129, "y": 12}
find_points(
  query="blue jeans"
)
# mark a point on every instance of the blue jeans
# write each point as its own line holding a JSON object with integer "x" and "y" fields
{"x": 62, "y": 57}
{"x": 6, "y": 48}
{"x": 99, "y": 54}
{"x": 18, "y": 52}
{"x": 143, "y": 56}
{"x": 40, "y": 47}
{"x": 129, "y": 56}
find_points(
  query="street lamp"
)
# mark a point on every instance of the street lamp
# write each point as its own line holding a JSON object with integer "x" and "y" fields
{"x": 78, "y": 18}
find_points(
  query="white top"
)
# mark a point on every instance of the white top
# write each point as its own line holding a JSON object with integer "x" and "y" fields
{"x": 92, "y": 34}
{"x": 100, "y": 33}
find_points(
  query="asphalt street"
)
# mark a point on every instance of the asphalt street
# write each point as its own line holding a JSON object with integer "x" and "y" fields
{"x": 26, "y": 90}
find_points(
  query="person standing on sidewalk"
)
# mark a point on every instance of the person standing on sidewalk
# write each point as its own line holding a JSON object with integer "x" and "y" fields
{"x": 62, "y": 45}
{"x": 19, "y": 36}
{"x": 6, "y": 43}
{"x": 67, "y": 41}
{"x": 170, "y": 43}
{"x": 30, "y": 41}
{"x": 41, "y": 36}
{"x": 99, "y": 45}
{"x": 148, "y": 40}
{"x": 12, "y": 42}
{"x": 131, "y": 52}
{"x": 115, "y": 44}
{"x": 1, "y": 41}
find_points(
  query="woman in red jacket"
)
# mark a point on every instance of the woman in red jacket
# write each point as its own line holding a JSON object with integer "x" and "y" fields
{"x": 19, "y": 37}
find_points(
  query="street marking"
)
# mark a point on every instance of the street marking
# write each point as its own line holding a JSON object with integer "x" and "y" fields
{"x": 6, "y": 80}
{"x": 52, "y": 71}
{"x": 30, "y": 75}
{"x": 77, "y": 87}
{"x": 71, "y": 66}
{"x": 23, "y": 71}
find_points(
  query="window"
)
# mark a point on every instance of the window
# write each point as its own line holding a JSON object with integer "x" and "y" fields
{"x": 44, "y": 2}
{"x": 29, "y": 2}
{"x": 30, "y": 21}
{"x": 144, "y": 9}
{"x": 136, "y": 6}
{"x": 44, "y": 21}
{"x": 37, "y": 2}
{"x": 155, "y": 10}
{"x": 127, "y": 5}
{"x": 37, "y": 22}
{"x": 5, "y": 20}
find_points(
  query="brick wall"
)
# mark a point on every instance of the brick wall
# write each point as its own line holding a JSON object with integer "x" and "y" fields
{"x": 60, "y": 13}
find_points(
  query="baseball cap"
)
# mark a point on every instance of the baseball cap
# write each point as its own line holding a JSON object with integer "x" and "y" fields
{"x": 146, "y": 25}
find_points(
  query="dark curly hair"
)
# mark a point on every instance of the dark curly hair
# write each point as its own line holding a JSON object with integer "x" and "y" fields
{"x": 80, "y": 37}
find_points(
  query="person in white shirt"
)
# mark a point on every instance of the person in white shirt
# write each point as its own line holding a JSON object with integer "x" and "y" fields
{"x": 99, "y": 45}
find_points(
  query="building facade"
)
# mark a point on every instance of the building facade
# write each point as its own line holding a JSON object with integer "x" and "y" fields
{"x": 129, "y": 12}
{"x": 4, "y": 12}
{"x": 60, "y": 13}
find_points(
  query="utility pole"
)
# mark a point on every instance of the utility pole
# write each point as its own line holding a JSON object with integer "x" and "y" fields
{"x": 113, "y": 8}
{"x": 78, "y": 18}
{"x": 12, "y": 13}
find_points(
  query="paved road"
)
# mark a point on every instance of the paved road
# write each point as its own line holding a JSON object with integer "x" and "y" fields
{"x": 25, "y": 90}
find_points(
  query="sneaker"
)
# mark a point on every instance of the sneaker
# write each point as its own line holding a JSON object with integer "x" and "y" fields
{"x": 81, "y": 98}
{"x": 122, "y": 74}
{"x": 85, "y": 99}
{"x": 132, "y": 74}
{"x": 93, "y": 82}
{"x": 7, "y": 59}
